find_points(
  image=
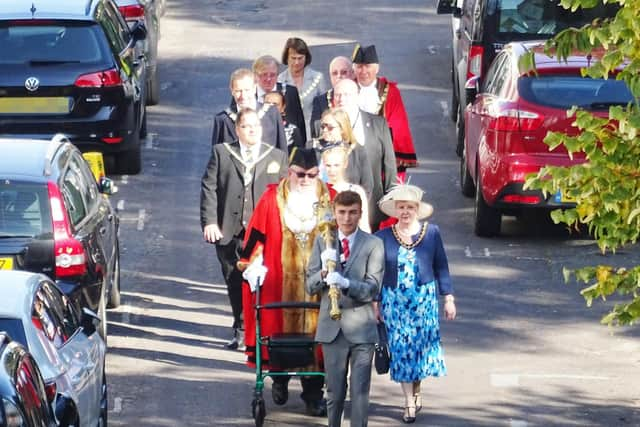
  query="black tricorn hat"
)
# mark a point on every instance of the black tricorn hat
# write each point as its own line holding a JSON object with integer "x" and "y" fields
{"x": 306, "y": 158}
{"x": 364, "y": 55}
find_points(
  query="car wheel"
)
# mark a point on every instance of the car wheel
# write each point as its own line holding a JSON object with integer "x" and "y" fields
{"x": 466, "y": 182}
{"x": 459, "y": 130}
{"x": 104, "y": 402}
{"x": 130, "y": 161}
{"x": 102, "y": 313}
{"x": 153, "y": 89}
{"x": 114, "y": 288}
{"x": 143, "y": 126}
{"x": 453, "y": 111}
{"x": 487, "y": 218}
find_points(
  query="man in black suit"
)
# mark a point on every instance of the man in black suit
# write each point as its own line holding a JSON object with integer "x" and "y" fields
{"x": 372, "y": 132}
{"x": 243, "y": 90}
{"x": 340, "y": 68}
{"x": 236, "y": 176}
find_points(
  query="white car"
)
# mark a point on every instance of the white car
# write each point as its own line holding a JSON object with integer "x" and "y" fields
{"x": 63, "y": 340}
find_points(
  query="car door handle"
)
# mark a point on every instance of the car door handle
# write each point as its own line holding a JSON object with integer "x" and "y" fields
{"x": 458, "y": 33}
{"x": 103, "y": 230}
{"x": 110, "y": 217}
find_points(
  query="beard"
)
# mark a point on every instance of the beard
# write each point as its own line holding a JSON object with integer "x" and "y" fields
{"x": 302, "y": 199}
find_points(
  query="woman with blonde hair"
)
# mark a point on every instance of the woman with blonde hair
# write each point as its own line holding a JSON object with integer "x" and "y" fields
{"x": 416, "y": 271}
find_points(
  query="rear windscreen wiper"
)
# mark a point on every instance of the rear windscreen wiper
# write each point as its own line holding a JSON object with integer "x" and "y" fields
{"x": 50, "y": 62}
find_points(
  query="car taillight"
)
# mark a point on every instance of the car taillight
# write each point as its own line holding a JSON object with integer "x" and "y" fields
{"x": 518, "y": 198}
{"x": 69, "y": 253}
{"x": 51, "y": 389}
{"x": 112, "y": 140}
{"x": 105, "y": 78}
{"x": 474, "y": 63}
{"x": 513, "y": 120}
{"x": 135, "y": 11}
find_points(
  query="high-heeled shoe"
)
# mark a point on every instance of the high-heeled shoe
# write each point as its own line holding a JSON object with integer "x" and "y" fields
{"x": 418, "y": 401}
{"x": 409, "y": 415}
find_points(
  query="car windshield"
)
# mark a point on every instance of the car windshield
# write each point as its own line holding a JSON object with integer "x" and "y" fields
{"x": 46, "y": 43}
{"x": 567, "y": 91}
{"x": 24, "y": 209}
{"x": 13, "y": 327}
{"x": 543, "y": 17}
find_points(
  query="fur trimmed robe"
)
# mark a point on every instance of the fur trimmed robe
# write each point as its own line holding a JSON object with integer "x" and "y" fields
{"x": 286, "y": 258}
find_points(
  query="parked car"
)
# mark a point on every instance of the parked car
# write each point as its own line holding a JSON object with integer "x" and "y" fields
{"x": 63, "y": 340}
{"x": 485, "y": 26}
{"x": 22, "y": 389}
{"x": 56, "y": 220}
{"x": 506, "y": 124}
{"x": 73, "y": 66}
{"x": 147, "y": 11}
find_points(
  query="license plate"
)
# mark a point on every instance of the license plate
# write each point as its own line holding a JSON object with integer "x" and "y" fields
{"x": 35, "y": 105}
{"x": 6, "y": 263}
{"x": 563, "y": 198}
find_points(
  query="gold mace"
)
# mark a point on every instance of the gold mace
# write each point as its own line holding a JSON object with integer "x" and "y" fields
{"x": 328, "y": 229}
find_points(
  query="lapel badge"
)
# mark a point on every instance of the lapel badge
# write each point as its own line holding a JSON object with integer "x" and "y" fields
{"x": 273, "y": 167}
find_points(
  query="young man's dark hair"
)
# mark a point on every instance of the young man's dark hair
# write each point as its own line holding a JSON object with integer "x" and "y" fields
{"x": 347, "y": 198}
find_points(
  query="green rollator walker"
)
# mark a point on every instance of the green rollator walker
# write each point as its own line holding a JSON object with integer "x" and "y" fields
{"x": 286, "y": 351}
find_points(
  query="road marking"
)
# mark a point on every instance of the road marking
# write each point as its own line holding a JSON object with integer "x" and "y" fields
{"x": 169, "y": 278}
{"x": 141, "y": 216}
{"x": 504, "y": 380}
{"x": 518, "y": 423}
{"x": 124, "y": 179}
{"x": 467, "y": 252}
{"x": 487, "y": 253}
{"x": 513, "y": 380}
{"x": 148, "y": 142}
{"x": 445, "y": 108}
{"x": 126, "y": 314}
{"x": 432, "y": 49}
{"x": 120, "y": 205}
{"x": 117, "y": 405}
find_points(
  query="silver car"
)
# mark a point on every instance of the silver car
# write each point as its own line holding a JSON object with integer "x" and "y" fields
{"x": 63, "y": 340}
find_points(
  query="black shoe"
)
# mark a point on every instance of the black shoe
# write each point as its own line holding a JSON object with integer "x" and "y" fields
{"x": 237, "y": 342}
{"x": 280, "y": 393}
{"x": 316, "y": 408}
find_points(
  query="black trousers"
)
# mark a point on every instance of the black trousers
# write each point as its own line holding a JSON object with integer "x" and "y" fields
{"x": 228, "y": 255}
{"x": 311, "y": 386}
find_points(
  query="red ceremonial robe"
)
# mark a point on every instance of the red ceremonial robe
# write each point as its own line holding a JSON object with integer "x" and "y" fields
{"x": 392, "y": 109}
{"x": 286, "y": 260}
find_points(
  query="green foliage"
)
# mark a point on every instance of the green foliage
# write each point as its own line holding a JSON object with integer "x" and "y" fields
{"x": 606, "y": 187}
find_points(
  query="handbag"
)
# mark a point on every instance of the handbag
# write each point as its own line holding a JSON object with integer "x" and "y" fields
{"x": 382, "y": 357}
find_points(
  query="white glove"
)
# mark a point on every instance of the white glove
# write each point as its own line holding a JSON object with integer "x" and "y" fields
{"x": 336, "y": 278}
{"x": 328, "y": 254}
{"x": 255, "y": 273}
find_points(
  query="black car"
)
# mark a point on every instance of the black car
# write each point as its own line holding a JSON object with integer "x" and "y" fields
{"x": 73, "y": 66}
{"x": 55, "y": 220}
{"x": 23, "y": 396}
{"x": 147, "y": 11}
{"x": 485, "y": 26}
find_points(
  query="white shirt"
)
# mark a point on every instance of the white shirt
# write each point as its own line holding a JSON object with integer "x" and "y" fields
{"x": 262, "y": 93}
{"x": 368, "y": 98}
{"x": 255, "y": 151}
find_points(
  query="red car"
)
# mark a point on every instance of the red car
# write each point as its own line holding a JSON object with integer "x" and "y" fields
{"x": 506, "y": 124}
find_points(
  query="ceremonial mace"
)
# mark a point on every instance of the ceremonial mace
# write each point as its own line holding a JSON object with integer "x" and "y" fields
{"x": 328, "y": 229}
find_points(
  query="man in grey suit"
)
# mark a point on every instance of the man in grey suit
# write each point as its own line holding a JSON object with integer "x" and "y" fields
{"x": 348, "y": 341}
{"x": 236, "y": 176}
{"x": 372, "y": 132}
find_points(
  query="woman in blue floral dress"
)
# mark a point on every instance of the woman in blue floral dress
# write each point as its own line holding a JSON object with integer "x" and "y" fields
{"x": 416, "y": 271}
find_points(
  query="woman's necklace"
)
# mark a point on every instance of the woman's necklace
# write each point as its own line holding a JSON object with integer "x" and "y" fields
{"x": 405, "y": 237}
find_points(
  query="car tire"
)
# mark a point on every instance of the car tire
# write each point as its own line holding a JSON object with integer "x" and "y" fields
{"x": 153, "y": 89}
{"x": 114, "y": 287}
{"x": 453, "y": 111}
{"x": 487, "y": 219}
{"x": 459, "y": 130}
{"x": 130, "y": 161}
{"x": 104, "y": 402}
{"x": 466, "y": 182}
{"x": 102, "y": 313}
{"x": 143, "y": 126}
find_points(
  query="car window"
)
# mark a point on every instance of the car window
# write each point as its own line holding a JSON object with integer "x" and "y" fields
{"x": 24, "y": 209}
{"x": 115, "y": 35}
{"x": 48, "y": 316}
{"x": 490, "y": 83}
{"x": 15, "y": 329}
{"x": 61, "y": 307}
{"x": 72, "y": 189}
{"x": 48, "y": 43}
{"x": 565, "y": 91}
{"x": 120, "y": 24}
{"x": 89, "y": 188}
{"x": 31, "y": 390}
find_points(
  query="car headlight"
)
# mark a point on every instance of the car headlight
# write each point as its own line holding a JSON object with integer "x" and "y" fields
{"x": 13, "y": 416}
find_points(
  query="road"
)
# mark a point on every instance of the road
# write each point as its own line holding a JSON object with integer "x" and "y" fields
{"x": 524, "y": 351}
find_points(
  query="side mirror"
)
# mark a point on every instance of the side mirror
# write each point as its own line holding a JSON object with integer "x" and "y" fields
{"x": 107, "y": 186}
{"x": 446, "y": 7}
{"x": 89, "y": 322}
{"x": 65, "y": 411}
{"x": 139, "y": 31}
{"x": 472, "y": 89}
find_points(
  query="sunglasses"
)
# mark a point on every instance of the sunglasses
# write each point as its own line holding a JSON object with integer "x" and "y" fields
{"x": 327, "y": 126}
{"x": 303, "y": 174}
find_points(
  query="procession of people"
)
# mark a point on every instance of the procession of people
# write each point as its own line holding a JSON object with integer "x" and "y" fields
{"x": 289, "y": 157}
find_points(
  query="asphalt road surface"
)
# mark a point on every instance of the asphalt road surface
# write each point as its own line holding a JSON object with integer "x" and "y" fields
{"x": 524, "y": 351}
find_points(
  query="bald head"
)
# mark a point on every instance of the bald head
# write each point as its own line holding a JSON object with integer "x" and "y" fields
{"x": 345, "y": 94}
{"x": 340, "y": 68}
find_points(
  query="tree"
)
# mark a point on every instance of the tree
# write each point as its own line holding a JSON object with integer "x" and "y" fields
{"x": 607, "y": 187}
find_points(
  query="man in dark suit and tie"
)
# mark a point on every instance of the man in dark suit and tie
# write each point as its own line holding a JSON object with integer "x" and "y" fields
{"x": 347, "y": 342}
{"x": 236, "y": 176}
{"x": 243, "y": 90}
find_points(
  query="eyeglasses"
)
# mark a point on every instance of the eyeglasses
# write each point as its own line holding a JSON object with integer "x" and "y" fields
{"x": 340, "y": 73}
{"x": 327, "y": 126}
{"x": 303, "y": 174}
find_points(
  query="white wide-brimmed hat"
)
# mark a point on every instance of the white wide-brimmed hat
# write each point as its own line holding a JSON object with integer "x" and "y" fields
{"x": 405, "y": 193}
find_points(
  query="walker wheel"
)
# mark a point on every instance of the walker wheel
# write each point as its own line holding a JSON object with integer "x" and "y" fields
{"x": 258, "y": 411}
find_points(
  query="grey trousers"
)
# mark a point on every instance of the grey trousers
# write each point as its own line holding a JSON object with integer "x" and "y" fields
{"x": 338, "y": 356}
